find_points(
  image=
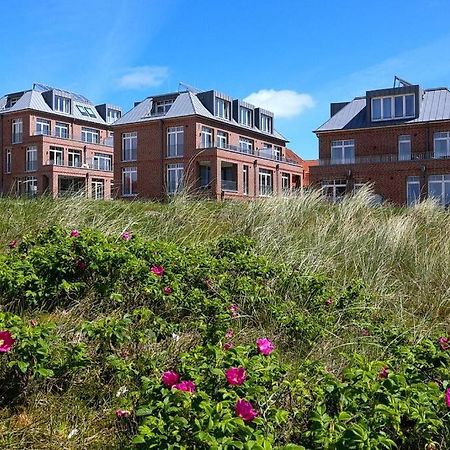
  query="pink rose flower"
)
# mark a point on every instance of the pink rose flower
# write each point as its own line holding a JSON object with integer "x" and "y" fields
{"x": 167, "y": 290}
{"x": 329, "y": 301}
{"x": 12, "y": 244}
{"x": 234, "y": 311}
{"x": 235, "y": 376}
{"x": 444, "y": 343}
{"x": 157, "y": 270}
{"x": 74, "y": 233}
{"x": 186, "y": 386}
{"x": 6, "y": 341}
{"x": 170, "y": 378}
{"x": 265, "y": 346}
{"x": 447, "y": 397}
{"x": 227, "y": 346}
{"x": 126, "y": 235}
{"x": 245, "y": 410}
{"x": 33, "y": 322}
{"x": 122, "y": 413}
{"x": 384, "y": 372}
{"x": 229, "y": 334}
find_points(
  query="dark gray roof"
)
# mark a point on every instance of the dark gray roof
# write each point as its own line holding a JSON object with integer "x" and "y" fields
{"x": 185, "y": 104}
{"x": 435, "y": 105}
{"x": 33, "y": 99}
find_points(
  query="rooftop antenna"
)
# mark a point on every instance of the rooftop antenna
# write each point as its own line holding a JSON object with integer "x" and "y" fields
{"x": 401, "y": 82}
{"x": 188, "y": 87}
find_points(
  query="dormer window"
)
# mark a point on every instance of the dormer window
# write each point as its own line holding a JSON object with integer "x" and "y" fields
{"x": 223, "y": 108}
{"x": 393, "y": 107}
{"x": 62, "y": 104}
{"x": 113, "y": 115}
{"x": 266, "y": 123}
{"x": 12, "y": 100}
{"x": 246, "y": 116}
{"x": 163, "y": 106}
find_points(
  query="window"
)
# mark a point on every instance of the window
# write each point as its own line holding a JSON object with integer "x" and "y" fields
{"x": 82, "y": 110}
{"x": 265, "y": 182}
{"x": 246, "y": 145}
{"x": 207, "y": 137}
{"x": 98, "y": 189}
{"x": 442, "y": 145}
{"x": 175, "y": 141}
{"x": 30, "y": 186}
{"x": 334, "y": 190}
{"x": 129, "y": 181}
{"x": 223, "y": 108}
{"x": 266, "y": 123}
{"x": 343, "y": 152}
{"x": 163, "y": 106}
{"x": 102, "y": 161}
{"x": 245, "y": 184}
{"x": 222, "y": 139}
{"x": 74, "y": 158}
{"x": 56, "y": 156}
{"x": 86, "y": 111}
{"x": 42, "y": 126}
{"x": 31, "y": 159}
{"x": 17, "y": 131}
{"x": 412, "y": 190}
{"x": 439, "y": 188}
{"x": 246, "y": 116}
{"x": 174, "y": 178}
{"x": 112, "y": 115}
{"x": 62, "y": 104}
{"x": 8, "y": 161}
{"x": 62, "y": 130}
{"x": 277, "y": 152}
{"x": 393, "y": 107}
{"x": 129, "y": 146}
{"x": 404, "y": 148}
{"x": 285, "y": 182}
{"x": 90, "y": 135}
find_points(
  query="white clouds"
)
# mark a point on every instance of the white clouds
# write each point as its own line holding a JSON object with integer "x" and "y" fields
{"x": 283, "y": 103}
{"x": 144, "y": 77}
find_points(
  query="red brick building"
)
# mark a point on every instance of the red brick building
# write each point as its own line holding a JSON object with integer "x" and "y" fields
{"x": 56, "y": 142}
{"x": 398, "y": 139}
{"x": 205, "y": 142}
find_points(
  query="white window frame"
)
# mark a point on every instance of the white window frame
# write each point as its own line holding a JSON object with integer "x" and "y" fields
{"x": 43, "y": 127}
{"x": 8, "y": 162}
{"x": 206, "y": 136}
{"x": 17, "y": 131}
{"x": 443, "y": 181}
{"x": 177, "y": 171}
{"x": 403, "y": 141}
{"x": 62, "y": 130}
{"x": 245, "y": 116}
{"x": 162, "y": 107}
{"x": 443, "y": 136}
{"x": 285, "y": 182}
{"x": 112, "y": 115}
{"x": 175, "y": 142}
{"x": 334, "y": 185}
{"x": 31, "y": 159}
{"x": 62, "y": 104}
{"x": 90, "y": 135}
{"x": 102, "y": 161}
{"x": 128, "y": 173}
{"x": 245, "y": 179}
{"x": 266, "y": 123}
{"x": 338, "y": 150}
{"x": 412, "y": 181}
{"x": 72, "y": 156}
{"x": 222, "y": 139}
{"x": 246, "y": 145}
{"x": 129, "y": 146}
{"x": 265, "y": 177}
{"x": 97, "y": 189}
{"x": 391, "y": 102}
{"x": 56, "y": 156}
{"x": 222, "y": 108}
{"x": 30, "y": 186}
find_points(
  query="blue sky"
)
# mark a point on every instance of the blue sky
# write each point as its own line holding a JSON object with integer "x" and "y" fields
{"x": 294, "y": 57}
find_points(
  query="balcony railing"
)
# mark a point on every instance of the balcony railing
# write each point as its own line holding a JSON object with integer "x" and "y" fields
{"x": 387, "y": 158}
{"x": 229, "y": 185}
{"x": 265, "y": 153}
{"x": 265, "y": 190}
{"x": 108, "y": 142}
{"x": 92, "y": 164}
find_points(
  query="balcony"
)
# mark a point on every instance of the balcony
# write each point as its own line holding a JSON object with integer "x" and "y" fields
{"x": 386, "y": 158}
{"x": 108, "y": 142}
{"x": 229, "y": 185}
{"x": 91, "y": 164}
{"x": 264, "y": 153}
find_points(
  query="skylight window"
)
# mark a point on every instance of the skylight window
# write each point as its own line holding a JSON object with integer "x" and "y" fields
{"x": 86, "y": 111}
